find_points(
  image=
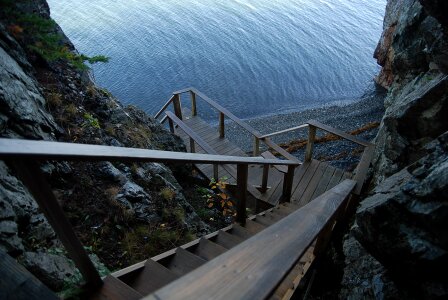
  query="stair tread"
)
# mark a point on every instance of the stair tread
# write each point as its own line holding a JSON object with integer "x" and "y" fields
{"x": 115, "y": 289}
{"x": 268, "y": 219}
{"x": 184, "y": 261}
{"x": 227, "y": 240}
{"x": 253, "y": 227}
{"x": 241, "y": 232}
{"x": 153, "y": 277}
{"x": 208, "y": 250}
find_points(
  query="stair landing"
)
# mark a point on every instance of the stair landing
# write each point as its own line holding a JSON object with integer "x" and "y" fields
{"x": 311, "y": 179}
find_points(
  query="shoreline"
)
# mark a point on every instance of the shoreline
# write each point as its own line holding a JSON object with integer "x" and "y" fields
{"x": 369, "y": 108}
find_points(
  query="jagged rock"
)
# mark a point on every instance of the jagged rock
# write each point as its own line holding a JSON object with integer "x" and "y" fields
{"x": 108, "y": 171}
{"x": 365, "y": 277}
{"x": 22, "y": 104}
{"x": 403, "y": 223}
{"x": 53, "y": 270}
{"x": 414, "y": 116}
{"x": 133, "y": 193}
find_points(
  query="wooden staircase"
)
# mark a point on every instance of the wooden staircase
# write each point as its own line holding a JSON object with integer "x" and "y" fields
{"x": 263, "y": 256}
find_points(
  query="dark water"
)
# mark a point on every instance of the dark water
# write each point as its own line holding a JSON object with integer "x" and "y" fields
{"x": 256, "y": 57}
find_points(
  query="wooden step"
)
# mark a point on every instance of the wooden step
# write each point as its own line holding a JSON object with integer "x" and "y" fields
{"x": 152, "y": 277}
{"x": 208, "y": 250}
{"x": 253, "y": 227}
{"x": 227, "y": 240}
{"x": 183, "y": 262}
{"x": 115, "y": 289}
{"x": 268, "y": 219}
{"x": 241, "y": 232}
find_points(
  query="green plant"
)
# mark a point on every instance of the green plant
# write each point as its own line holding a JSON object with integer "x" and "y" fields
{"x": 90, "y": 121}
{"x": 49, "y": 43}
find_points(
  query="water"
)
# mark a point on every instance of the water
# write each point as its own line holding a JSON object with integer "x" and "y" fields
{"x": 255, "y": 57}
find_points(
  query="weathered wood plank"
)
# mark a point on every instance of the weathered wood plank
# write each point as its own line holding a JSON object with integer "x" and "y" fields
{"x": 164, "y": 107}
{"x": 363, "y": 167}
{"x": 45, "y": 150}
{"x": 310, "y": 143}
{"x": 18, "y": 283}
{"x": 339, "y": 133}
{"x": 262, "y": 260}
{"x": 114, "y": 289}
{"x": 322, "y": 187}
{"x": 297, "y": 194}
{"x": 335, "y": 179}
{"x": 312, "y": 186}
{"x": 152, "y": 277}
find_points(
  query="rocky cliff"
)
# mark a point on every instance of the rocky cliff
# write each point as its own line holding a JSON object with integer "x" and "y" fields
{"x": 398, "y": 244}
{"x": 122, "y": 212}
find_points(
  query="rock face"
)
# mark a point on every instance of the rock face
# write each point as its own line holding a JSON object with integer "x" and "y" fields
{"x": 52, "y": 100}
{"x": 398, "y": 246}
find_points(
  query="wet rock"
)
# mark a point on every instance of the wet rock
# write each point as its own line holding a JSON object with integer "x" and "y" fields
{"x": 365, "y": 277}
{"x": 53, "y": 270}
{"x": 414, "y": 116}
{"x": 22, "y": 104}
{"x": 133, "y": 193}
{"x": 108, "y": 171}
{"x": 403, "y": 223}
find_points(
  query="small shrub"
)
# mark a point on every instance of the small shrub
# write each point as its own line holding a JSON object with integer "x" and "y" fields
{"x": 54, "y": 100}
{"x": 49, "y": 43}
{"x": 71, "y": 110}
{"x": 220, "y": 199}
{"x": 90, "y": 121}
{"x": 167, "y": 194}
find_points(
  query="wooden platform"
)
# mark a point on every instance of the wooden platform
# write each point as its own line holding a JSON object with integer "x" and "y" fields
{"x": 310, "y": 179}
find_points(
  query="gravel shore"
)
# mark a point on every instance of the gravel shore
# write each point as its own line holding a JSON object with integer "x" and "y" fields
{"x": 370, "y": 108}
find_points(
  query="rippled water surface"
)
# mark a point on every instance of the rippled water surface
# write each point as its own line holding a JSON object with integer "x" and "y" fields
{"x": 255, "y": 57}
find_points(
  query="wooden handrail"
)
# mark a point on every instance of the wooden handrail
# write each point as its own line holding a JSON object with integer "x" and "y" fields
{"x": 263, "y": 260}
{"x": 164, "y": 107}
{"x": 339, "y": 133}
{"x": 280, "y": 150}
{"x": 209, "y": 150}
{"x": 194, "y": 137}
{"x": 221, "y": 109}
{"x": 45, "y": 150}
{"x": 283, "y": 131}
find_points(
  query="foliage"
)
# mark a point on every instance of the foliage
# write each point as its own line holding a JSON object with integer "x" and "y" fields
{"x": 90, "y": 121}
{"x": 167, "y": 193}
{"x": 219, "y": 198}
{"x": 48, "y": 42}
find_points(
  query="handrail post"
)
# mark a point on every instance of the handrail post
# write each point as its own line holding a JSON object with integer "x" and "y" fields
{"x": 256, "y": 150}
{"x": 31, "y": 176}
{"x": 215, "y": 172}
{"x": 177, "y": 106}
{"x": 192, "y": 146}
{"x": 264, "y": 180}
{"x": 221, "y": 124}
{"x": 194, "y": 111}
{"x": 287, "y": 184}
{"x": 241, "y": 185}
{"x": 310, "y": 143}
{"x": 171, "y": 123}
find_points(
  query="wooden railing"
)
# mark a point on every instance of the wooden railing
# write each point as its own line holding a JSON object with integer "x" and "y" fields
{"x": 313, "y": 125}
{"x": 254, "y": 268}
{"x": 22, "y": 156}
{"x": 223, "y": 113}
{"x": 196, "y": 139}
